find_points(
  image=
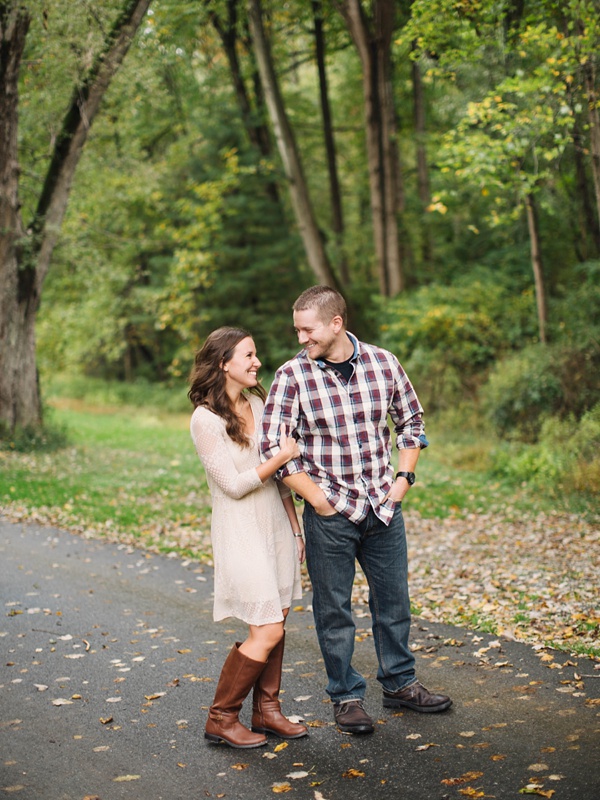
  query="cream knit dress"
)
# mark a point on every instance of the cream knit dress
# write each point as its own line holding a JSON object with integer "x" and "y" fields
{"x": 257, "y": 573}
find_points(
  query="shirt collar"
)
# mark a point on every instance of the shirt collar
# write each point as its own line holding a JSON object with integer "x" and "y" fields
{"x": 320, "y": 363}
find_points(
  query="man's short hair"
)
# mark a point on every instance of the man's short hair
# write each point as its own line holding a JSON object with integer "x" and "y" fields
{"x": 325, "y": 301}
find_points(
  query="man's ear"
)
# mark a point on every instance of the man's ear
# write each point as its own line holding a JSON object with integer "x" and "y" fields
{"x": 337, "y": 323}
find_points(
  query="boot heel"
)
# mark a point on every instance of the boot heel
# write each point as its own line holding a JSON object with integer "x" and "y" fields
{"x": 212, "y": 738}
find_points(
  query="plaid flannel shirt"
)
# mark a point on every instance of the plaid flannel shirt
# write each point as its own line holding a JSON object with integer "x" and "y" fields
{"x": 342, "y": 428}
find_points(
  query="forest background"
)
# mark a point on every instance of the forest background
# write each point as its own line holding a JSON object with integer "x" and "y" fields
{"x": 438, "y": 161}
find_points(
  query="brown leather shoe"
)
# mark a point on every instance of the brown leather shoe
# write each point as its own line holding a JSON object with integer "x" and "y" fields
{"x": 352, "y": 718}
{"x": 417, "y": 697}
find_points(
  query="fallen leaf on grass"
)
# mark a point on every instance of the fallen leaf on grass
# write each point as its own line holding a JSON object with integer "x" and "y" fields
{"x": 125, "y": 778}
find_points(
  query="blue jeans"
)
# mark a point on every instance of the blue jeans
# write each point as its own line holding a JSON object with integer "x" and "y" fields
{"x": 332, "y": 546}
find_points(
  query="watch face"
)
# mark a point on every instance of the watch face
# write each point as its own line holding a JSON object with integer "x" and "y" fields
{"x": 410, "y": 477}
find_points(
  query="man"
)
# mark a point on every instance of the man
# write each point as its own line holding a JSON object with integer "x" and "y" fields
{"x": 334, "y": 398}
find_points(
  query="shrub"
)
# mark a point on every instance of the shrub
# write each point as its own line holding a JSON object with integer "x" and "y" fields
{"x": 567, "y": 452}
{"x": 539, "y": 382}
{"x": 50, "y": 437}
{"x": 448, "y": 336}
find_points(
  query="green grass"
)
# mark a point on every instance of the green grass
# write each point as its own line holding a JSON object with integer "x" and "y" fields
{"x": 123, "y": 469}
{"x": 136, "y": 469}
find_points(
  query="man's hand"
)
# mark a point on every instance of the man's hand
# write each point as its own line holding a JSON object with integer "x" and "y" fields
{"x": 322, "y": 507}
{"x": 397, "y": 491}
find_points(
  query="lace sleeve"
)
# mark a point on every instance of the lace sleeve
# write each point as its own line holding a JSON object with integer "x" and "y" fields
{"x": 210, "y": 439}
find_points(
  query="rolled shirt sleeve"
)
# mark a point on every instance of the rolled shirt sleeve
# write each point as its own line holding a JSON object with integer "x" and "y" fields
{"x": 281, "y": 407}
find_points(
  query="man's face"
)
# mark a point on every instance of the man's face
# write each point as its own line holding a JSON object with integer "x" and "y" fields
{"x": 318, "y": 338}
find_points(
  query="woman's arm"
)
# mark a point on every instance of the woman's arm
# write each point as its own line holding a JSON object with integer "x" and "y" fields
{"x": 290, "y": 510}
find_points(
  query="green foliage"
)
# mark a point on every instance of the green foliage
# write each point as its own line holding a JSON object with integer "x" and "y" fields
{"x": 540, "y": 382}
{"x": 448, "y": 336}
{"x": 50, "y": 437}
{"x": 565, "y": 457}
{"x": 148, "y": 396}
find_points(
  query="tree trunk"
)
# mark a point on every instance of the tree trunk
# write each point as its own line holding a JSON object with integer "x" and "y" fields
{"x": 19, "y": 395}
{"x": 537, "y": 264}
{"x": 26, "y": 258}
{"x": 288, "y": 150}
{"x": 589, "y": 69}
{"x": 337, "y": 213}
{"x": 257, "y": 132}
{"x": 374, "y": 49}
{"x": 423, "y": 186}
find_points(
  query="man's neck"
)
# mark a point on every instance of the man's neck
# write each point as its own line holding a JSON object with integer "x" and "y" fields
{"x": 342, "y": 351}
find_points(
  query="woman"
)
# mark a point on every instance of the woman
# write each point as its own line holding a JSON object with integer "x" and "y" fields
{"x": 257, "y": 544}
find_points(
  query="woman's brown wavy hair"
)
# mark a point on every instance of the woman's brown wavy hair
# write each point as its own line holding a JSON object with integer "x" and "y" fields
{"x": 207, "y": 380}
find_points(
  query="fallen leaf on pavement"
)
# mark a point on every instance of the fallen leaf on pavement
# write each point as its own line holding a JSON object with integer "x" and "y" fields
{"x": 353, "y": 773}
{"x": 280, "y": 788}
{"x": 125, "y": 778}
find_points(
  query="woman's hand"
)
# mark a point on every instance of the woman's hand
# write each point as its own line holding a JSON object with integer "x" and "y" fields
{"x": 300, "y": 548}
{"x": 288, "y": 446}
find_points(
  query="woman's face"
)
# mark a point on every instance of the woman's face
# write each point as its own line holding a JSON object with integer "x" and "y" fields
{"x": 242, "y": 368}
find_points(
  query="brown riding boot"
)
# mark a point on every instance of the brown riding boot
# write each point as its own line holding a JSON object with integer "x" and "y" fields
{"x": 266, "y": 710}
{"x": 238, "y": 676}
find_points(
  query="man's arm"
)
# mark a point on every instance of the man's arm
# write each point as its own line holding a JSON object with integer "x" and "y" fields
{"x": 282, "y": 407}
{"x": 303, "y": 485}
{"x": 407, "y": 462}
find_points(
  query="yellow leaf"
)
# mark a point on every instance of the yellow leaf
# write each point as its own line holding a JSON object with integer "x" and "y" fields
{"x": 353, "y": 773}
{"x": 468, "y": 791}
{"x": 240, "y": 766}
{"x": 280, "y": 788}
{"x": 124, "y": 778}
{"x": 280, "y": 747}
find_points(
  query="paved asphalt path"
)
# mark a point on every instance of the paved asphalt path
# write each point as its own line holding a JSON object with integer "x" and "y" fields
{"x": 127, "y": 640}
